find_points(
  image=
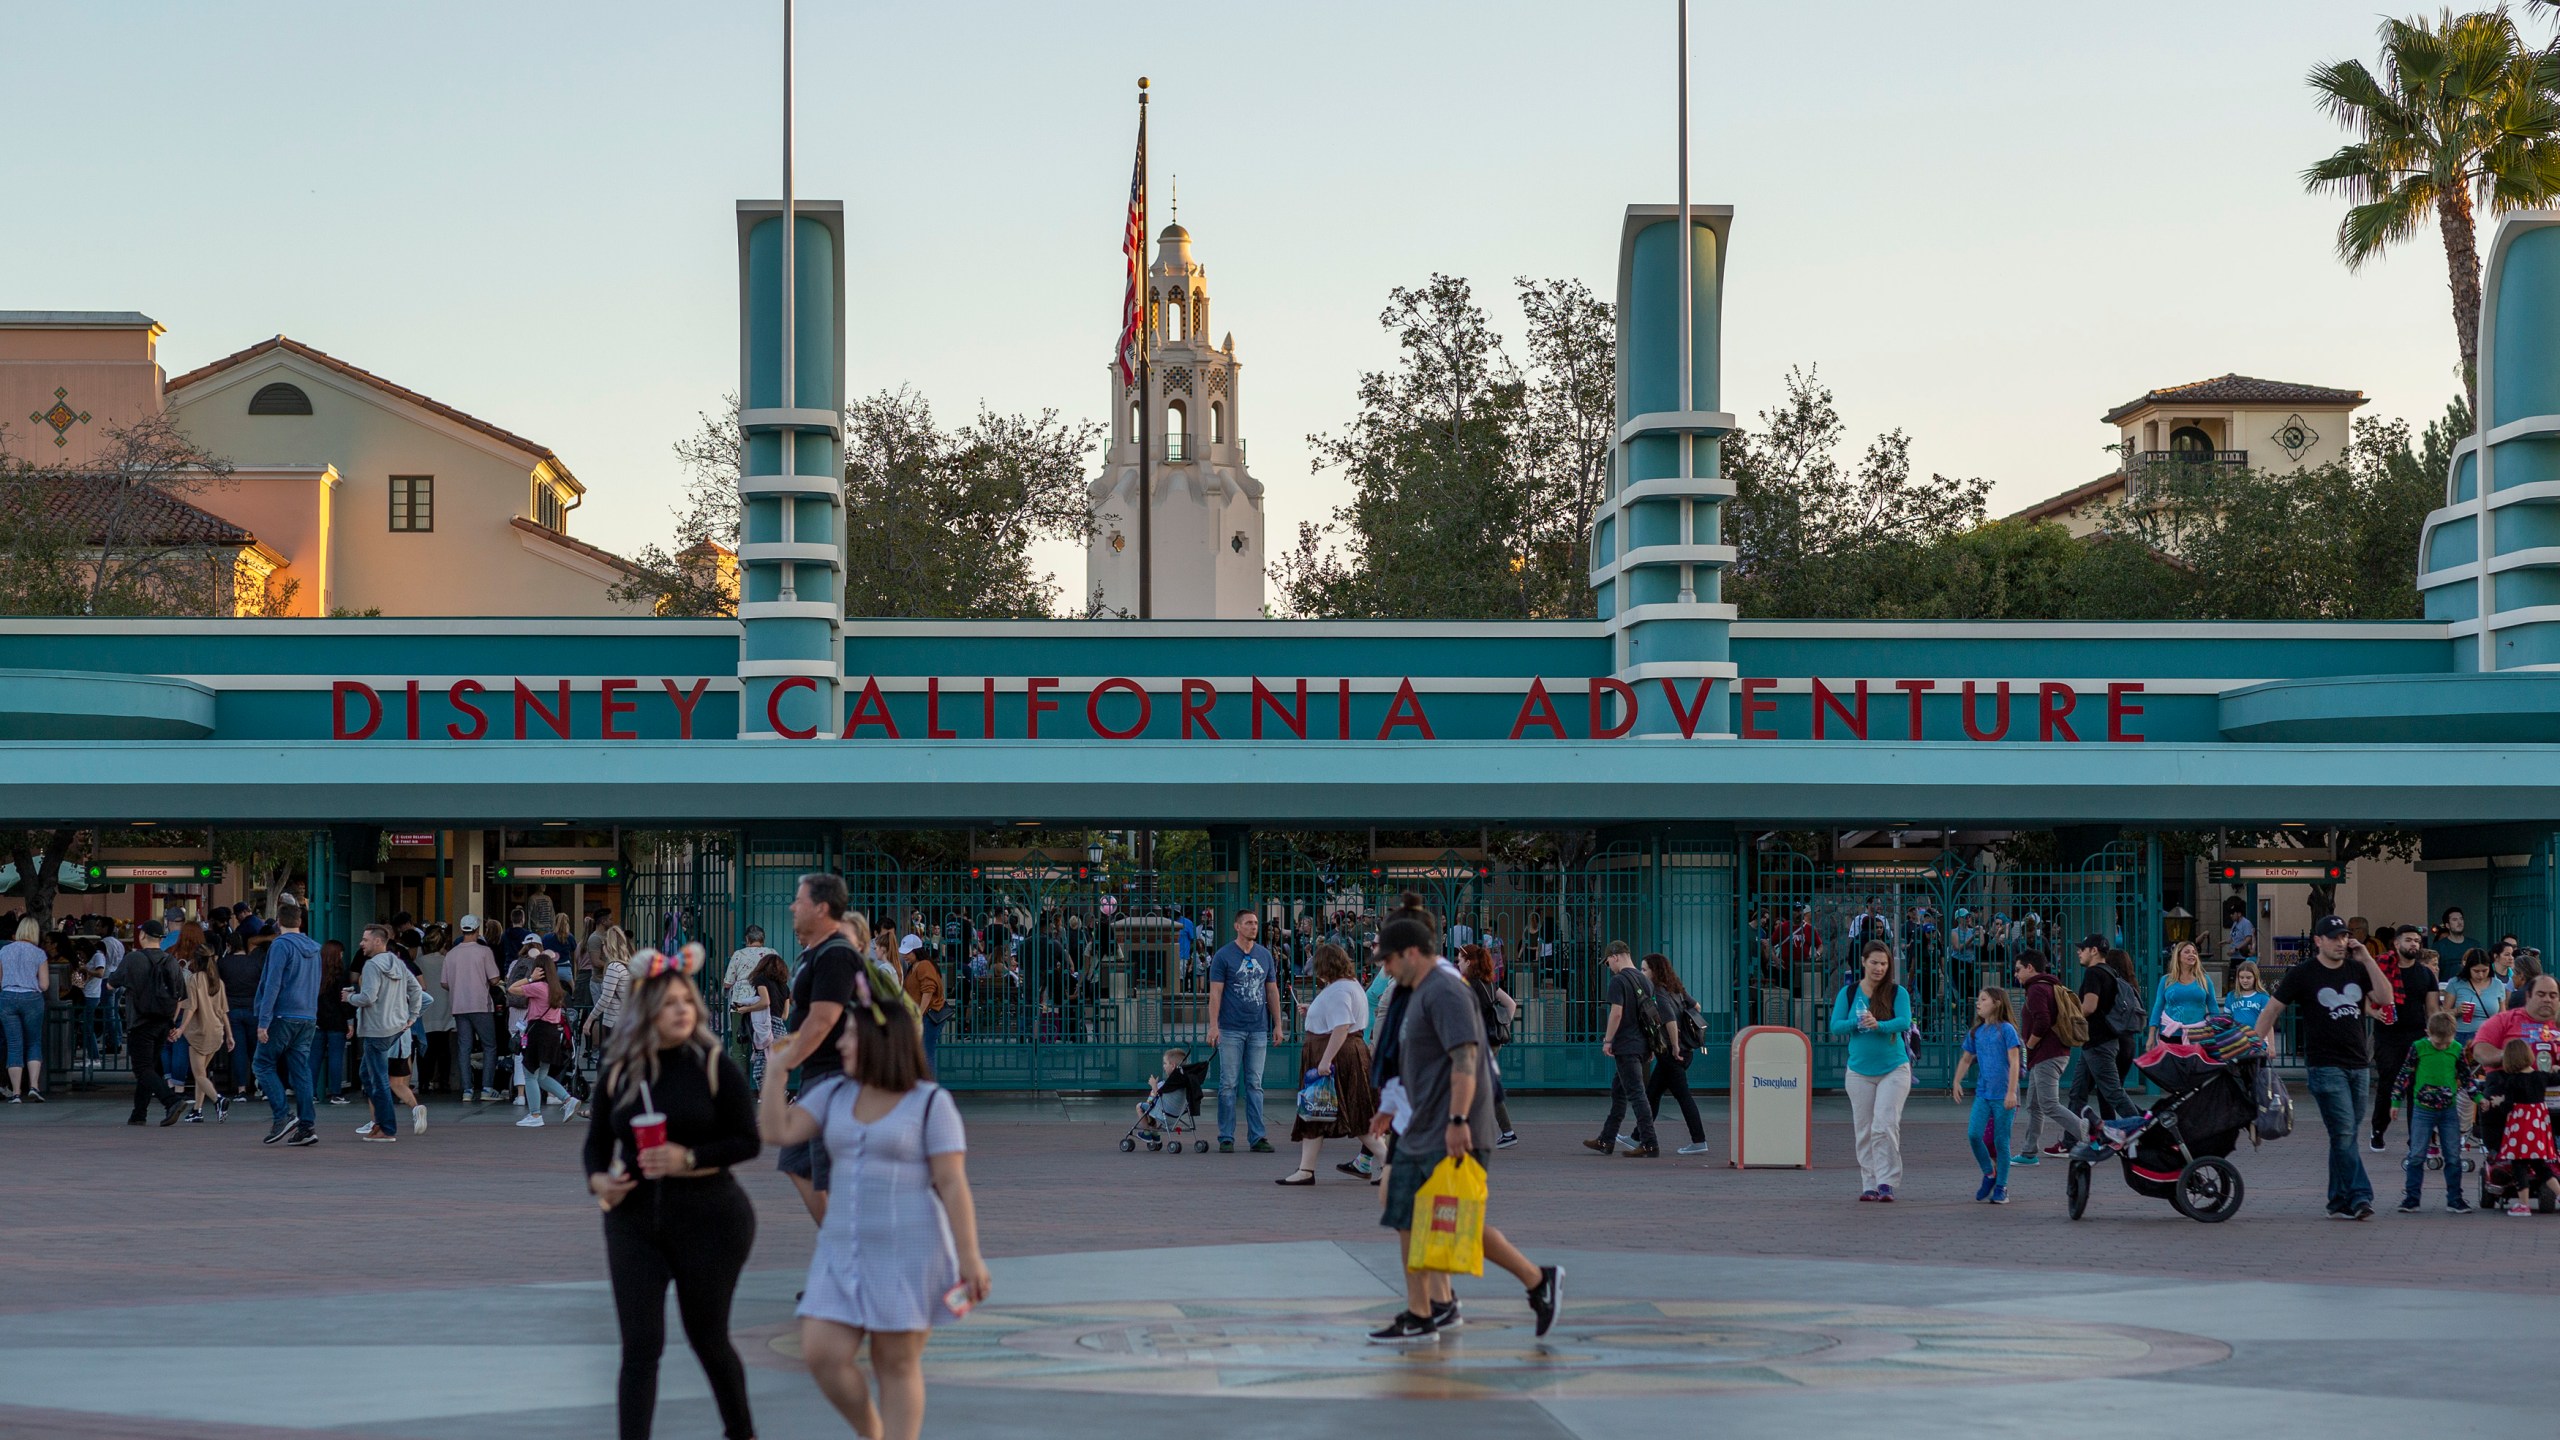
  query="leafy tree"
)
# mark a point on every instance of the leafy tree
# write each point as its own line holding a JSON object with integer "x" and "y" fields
{"x": 42, "y": 858}
{"x": 1810, "y": 530}
{"x": 102, "y": 556}
{"x": 2462, "y": 114}
{"x": 937, "y": 522}
{"x": 1473, "y": 481}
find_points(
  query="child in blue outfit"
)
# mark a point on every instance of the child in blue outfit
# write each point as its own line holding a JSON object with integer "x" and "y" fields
{"x": 1993, "y": 1043}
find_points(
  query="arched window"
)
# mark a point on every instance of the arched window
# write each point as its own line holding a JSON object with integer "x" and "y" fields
{"x": 1217, "y": 423}
{"x": 2187, "y": 442}
{"x": 1199, "y": 312}
{"x": 1135, "y": 422}
{"x": 1177, "y": 432}
{"x": 280, "y": 399}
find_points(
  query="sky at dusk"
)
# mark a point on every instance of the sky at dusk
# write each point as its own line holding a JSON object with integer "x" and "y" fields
{"x": 1986, "y": 223}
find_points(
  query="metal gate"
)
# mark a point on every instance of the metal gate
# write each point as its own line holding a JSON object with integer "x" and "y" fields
{"x": 1955, "y": 928}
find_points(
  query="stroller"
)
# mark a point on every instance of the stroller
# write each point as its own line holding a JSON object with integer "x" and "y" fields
{"x": 2180, "y": 1151}
{"x": 2505, "y": 1181}
{"x": 1171, "y": 1111}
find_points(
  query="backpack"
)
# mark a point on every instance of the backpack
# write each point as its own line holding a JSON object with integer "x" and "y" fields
{"x": 1693, "y": 1025}
{"x": 2069, "y": 1025}
{"x": 2127, "y": 1014}
{"x": 1497, "y": 1031}
{"x": 163, "y": 986}
{"x": 1649, "y": 1021}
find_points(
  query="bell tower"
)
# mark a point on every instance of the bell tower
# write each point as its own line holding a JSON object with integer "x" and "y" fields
{"x": 1206, "y": 517}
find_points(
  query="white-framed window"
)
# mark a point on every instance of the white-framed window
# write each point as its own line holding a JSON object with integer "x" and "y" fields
{"x": 549, "y": 510}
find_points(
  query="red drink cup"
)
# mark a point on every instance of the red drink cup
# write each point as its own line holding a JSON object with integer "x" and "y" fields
{"x": 649, "y": 1131}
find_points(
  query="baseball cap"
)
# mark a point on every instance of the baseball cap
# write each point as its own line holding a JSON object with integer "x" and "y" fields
{"x": 910, "y": 944}
{"x": 531, "y": 942}
{"x": 2333, "y": 927}
{"x": 471, "y": 922}
{"x": 2093, "y": 942}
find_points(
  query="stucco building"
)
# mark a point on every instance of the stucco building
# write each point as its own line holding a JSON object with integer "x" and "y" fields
{"x": 2238, "y": 421}
{"x": 353, "y": 493}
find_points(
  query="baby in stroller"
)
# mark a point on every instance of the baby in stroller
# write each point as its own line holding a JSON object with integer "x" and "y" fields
{"x": 2514, "y": 1124}
{"x": 1172, "y": 1106}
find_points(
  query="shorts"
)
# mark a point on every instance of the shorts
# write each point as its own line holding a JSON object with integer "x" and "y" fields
{"x": 1405, "y": 1174}
{"x": 809, "y": 1161}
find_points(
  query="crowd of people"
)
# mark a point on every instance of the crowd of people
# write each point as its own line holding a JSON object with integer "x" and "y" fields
{"x": 2412, "y": 1019}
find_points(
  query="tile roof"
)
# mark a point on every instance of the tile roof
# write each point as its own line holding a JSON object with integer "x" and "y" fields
{"x": 151, "y": 514}
{"x": 579, "y": 547}
{"x": 2239, "y": 390}
{"x": 2073, "y": 498}
{"x": 358, "y": 373}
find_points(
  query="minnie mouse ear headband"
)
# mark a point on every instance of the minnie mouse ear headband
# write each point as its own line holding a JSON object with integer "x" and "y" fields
{"x": 652, "y": 963}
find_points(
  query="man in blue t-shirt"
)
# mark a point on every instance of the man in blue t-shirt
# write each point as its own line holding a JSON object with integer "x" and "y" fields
{"x": 1244, "y": 1023}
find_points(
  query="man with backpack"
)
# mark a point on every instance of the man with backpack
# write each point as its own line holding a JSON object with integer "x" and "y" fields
{"x": 2102, "y": 1000}
{"x": 2053, "y": 1026}
{"x": 154, "y": 986}
{"x": 1633, "y": 1033}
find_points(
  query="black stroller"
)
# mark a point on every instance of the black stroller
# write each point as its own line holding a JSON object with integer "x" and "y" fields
{"x": 1170, "y": 1111}
{"x": 2180, "y": 1151}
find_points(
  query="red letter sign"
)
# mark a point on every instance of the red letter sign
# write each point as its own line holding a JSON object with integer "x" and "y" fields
{"x": 1688, "y": 717}
{"x": 683, "y": 700}
{"x": 2118, "y": 711}
{"x": 1972, "y": 728}
{"x": 1296, "y": 720}
{"x": 2051, "y": 716}
{"x": 1538, "y": 708}
{"x": 1033, "y": 705}
{"x": 773, "y": 706}
{"x": 1093, "y": 708}
{"x": 615, "y": 709}
{"x": 1753, "y": 707}
{"x": 338, "y": 694}
{"x": 1198, "y": 698}
{"x": 872, "y": 708}
{"x": 1601, "y": 729}
{"x": 1406, "y": 709}
{"x": 1825, "y": 700}
{"x": 480, "y": 719}
{"x": 933, "y": 713}
{"x": 1916, "y": 689}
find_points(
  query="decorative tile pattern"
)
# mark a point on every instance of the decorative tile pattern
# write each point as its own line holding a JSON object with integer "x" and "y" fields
{"x": 1218, "y": 379}
{"x": 2294, "y": 436}
{"x": 1177, "y": 380}
{"x": 61, "y": 417}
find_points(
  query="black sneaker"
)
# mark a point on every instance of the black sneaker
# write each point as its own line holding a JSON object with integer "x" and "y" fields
{"x": 35, "y": 1097}
{"x": 281, "y": 1132}
{"x": 1406, "y": 1329}
{"x": 1547, "y": 1296}
{"x": 170, "y": 1116}
{"x": 1260, "y": 1147}
{"x": 1509, "y": 1139}
{"x": 2409, "y": 1206}
{"x": 1226, "y": 1147}
{"x": 2375, "y": 1141}
{"x": 2457, "y": 1206}
{"x": 1445, "y": 1316}
{"x": 2361, "y": 1212}
{"x": 303, "y": 1136}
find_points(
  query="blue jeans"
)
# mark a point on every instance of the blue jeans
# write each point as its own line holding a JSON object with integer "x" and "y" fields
{"x": 328, "y": 1060}
{"x": 376, "y": 1075}
{"x": 244, "y": 1035}
{"x": 1989, "y": 1127}
{"x": 1241, "y": 1060}
{"x": 2441, "y": 1126}
{"x": 22, "y": 1026}
{"x": 478, "y": 1027}
{"x": 288, "y": 1041}
{"x": 2343, "y": 1096}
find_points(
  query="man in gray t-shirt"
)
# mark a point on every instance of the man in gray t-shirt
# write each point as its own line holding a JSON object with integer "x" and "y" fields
{"x": 1441, "y": 1027}
{"x": 1440, "y": 1058}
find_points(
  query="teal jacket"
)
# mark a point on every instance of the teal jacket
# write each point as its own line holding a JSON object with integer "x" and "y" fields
{"x": 1879, "y": 1051}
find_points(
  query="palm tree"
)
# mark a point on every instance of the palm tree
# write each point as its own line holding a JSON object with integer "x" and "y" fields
{"x": 2462, "y": 115}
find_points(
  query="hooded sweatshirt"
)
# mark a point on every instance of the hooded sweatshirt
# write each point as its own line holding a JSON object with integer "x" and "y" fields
{"x": 289, "y": 988}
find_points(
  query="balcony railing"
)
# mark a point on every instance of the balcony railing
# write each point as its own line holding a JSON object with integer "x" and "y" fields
{"x": 2141, "y": 459}
{"x": 1174, "y": 445}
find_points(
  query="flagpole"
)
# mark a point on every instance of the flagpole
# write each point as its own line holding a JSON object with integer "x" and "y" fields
{"x": 1688, "y": 249}
{"x": 1146, "y": 387}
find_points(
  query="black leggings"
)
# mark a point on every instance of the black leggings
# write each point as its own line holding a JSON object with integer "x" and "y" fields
{"x": 696, "y": 1233}
{"x": 1673, "y": 1076}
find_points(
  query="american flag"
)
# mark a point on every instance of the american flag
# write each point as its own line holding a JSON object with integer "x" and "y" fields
{"x": 1133, "y": 245}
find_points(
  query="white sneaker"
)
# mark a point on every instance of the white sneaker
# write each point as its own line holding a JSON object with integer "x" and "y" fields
{"x": 1698, "y": 1149}
{"x": 417, "y": 1119}
{"x": 530, "y": 1122}
{"x": 365, "y": 1129}
{"x": 470, "y": 1097}
{"x": 519, "y": 1099}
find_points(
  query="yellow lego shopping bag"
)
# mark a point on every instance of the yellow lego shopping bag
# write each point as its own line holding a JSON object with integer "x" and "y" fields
{"x": 1448, "y": 1218}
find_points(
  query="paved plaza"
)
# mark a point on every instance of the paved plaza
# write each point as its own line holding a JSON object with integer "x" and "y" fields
{"x": 190, "y": 1283}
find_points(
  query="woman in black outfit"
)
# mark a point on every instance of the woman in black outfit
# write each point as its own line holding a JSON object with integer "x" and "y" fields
{"x": 672, "y": 1212}
{"x": 1671, "y": 1068}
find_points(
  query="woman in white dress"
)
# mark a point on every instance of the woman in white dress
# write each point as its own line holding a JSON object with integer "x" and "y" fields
{"x": 903, "y": 1256}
